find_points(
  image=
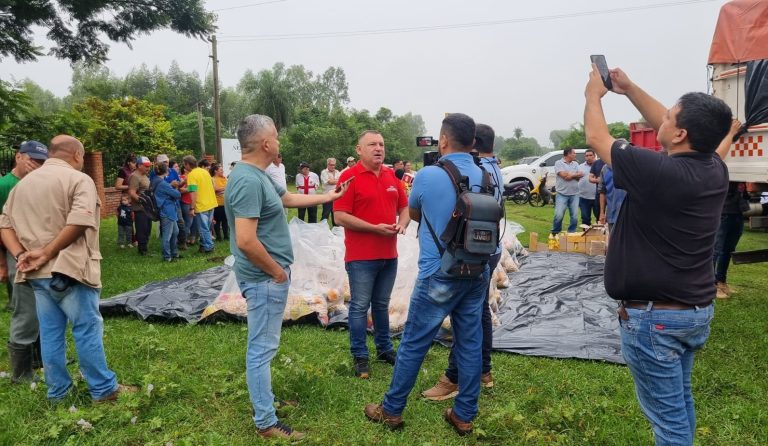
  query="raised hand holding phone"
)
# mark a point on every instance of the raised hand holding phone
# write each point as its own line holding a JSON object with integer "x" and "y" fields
{"x": 602, "y": 67}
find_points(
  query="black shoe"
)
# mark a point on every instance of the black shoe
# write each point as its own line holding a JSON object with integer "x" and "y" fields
{"x": 388, "y": 357}
{"x": 203, "y": 251}
{"x": 361, "y": 368}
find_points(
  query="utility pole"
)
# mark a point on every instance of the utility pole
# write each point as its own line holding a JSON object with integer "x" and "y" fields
{"x": 200, "y": 129}
{"x": 216, "y": 110}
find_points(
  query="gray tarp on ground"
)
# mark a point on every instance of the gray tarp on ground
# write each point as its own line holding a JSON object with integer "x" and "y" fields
{"x": 556, "y": 306}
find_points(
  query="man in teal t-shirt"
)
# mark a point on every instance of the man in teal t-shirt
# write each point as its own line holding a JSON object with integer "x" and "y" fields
{"x": 24, "y": 341}
{"x": 261, "y": 244}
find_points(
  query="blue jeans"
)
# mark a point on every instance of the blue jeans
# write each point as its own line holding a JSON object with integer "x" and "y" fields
{"x": 452, "y": 372}
{"x": 370, "y": 285}
{"x": 563, "y": 202}
{"x": 658, "y": 346}
{"x": 266, "y": 303}
{"x": 728, "y": 235}
{"x": 170, "y": 231}
{"x": 78, "y": 304}
{"x": 434, "y": 298}
{"x": 204, "y": 229}
{"x": 189, "y": 222}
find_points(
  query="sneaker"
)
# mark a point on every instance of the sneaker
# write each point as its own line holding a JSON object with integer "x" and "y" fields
{"x": 280, "y": 430}
{"x": 486, "y": 380}
{"x": 443, "y": 390}
{"x": 113, "y": 396}
{"x": 361, "y": 368}
{"x": 461, "y": 427}
{"x": 376, "y": 413}
{"x": 722, "y": 291}
{"x": 388, "y": 357}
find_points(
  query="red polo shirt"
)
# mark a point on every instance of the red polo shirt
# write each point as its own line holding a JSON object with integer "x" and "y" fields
{"x": 374, "y": 199}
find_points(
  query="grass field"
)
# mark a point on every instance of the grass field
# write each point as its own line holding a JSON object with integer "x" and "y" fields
{"x": 198, "y": 393}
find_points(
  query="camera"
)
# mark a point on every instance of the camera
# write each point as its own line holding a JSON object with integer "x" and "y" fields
{"x": 431, "y": 157}
{"x": 425, "y": 141}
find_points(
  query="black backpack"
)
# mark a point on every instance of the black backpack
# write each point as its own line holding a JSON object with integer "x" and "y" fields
{"x": 472, "y": 234}
{"x": 148, "y": 202}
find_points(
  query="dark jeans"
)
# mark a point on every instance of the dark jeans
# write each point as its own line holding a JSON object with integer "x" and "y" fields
{"x": 327, "y": 211}
{"x": 221, "y": 224}
{"x": 588, "y": 208}
{"x": 143, "y": 229}
{"x": 312, "y": 211}
{"x": 370, "y": 285}
{"x": 452, "y": 372}
{"x": 728, "y": 235}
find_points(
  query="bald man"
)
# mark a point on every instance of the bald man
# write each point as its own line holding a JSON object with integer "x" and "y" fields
{"x": 56, "y": 246}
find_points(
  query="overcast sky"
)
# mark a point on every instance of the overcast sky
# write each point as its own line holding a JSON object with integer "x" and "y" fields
{"x": 520, "y": 64}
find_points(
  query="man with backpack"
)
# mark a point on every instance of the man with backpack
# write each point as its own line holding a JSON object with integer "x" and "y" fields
{"x": 137, "y": 184}
{"x": 447, "y": 386}
{"x": 452, "y": 279}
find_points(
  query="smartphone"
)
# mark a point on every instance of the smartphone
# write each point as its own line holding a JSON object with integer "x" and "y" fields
{"x": 602, "y": 67}
{"x": 338, "y": 188}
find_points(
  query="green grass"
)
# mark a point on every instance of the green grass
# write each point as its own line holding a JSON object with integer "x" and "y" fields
{"x": 200, "y": 396}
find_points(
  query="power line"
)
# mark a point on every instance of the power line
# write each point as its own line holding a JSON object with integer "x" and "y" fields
{"x": 251, "y": 38}
{"x": 250, "y": 5}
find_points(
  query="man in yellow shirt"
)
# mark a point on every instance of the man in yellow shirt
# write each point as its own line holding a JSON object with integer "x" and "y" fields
{"x": 203, "y": 196}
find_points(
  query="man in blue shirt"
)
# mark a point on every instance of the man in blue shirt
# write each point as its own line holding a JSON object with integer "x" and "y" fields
{"x": 447, "y": 386}
{"x": 611, "y": 198}
{"x": 167, "y": 198}
{"x": 436, "y": 294}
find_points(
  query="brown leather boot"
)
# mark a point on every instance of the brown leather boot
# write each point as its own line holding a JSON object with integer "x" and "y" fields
{"x": 113, "y": 396}
{"x": 376, "y": 413}
{"x": 461, "y": 427}
{"x": 443, "y": 390}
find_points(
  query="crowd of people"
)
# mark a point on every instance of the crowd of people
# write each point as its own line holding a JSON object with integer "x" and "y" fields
{"x": 659, "y": 265}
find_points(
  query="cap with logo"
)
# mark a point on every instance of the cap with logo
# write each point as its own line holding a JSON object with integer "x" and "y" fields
{"x": 143, "y": 160}
{"x": 35, "y": 150}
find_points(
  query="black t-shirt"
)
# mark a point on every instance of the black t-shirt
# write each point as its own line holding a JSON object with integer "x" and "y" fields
{"x": 661, "y": 246}
{"x": 734, "y": 200}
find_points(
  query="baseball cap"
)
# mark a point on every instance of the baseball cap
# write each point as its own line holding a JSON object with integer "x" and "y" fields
{"x": 35, "y": 150}
{"x": 143, "y": 160}
{"x": 162, "y": 158}
{"x": 303, "y": 165}
{"x": 351, "y": 158}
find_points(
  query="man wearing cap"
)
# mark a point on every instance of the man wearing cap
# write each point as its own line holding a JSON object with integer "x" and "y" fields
{"x": 138, "y": 183}
{"x": 306, "y": 184}
{"x": 350, "y": 163}
{"x": 24, "y": 339}
{"x": 56, "y": 245}
{"x": 276, "y": 171}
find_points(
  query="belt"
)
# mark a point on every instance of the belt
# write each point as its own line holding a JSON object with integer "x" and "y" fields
{"x": 658, "y": 304}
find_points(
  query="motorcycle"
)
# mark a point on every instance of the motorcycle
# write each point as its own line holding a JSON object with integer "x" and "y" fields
{"x": 517, "y": 192}
{"x": 540, "y": 196}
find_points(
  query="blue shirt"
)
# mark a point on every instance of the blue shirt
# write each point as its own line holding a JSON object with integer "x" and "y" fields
{"x": 167, "y": 198}
{"x": 251, "y": 193}
{"x": 491, "y": 165}
{"x": 434, "y": 195}
{"x": 614, "y": 197}
{"x": 171, "y": 177}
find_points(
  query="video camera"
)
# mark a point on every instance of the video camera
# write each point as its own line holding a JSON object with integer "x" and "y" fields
{"x": 430, "y": 156}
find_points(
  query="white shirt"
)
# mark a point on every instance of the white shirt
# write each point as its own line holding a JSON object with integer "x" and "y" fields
{"x": 277, "y": 173}
{"x": 326, "y": 175}
{"x": 312, "y": 184}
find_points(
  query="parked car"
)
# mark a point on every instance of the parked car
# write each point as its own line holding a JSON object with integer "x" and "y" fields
{"x": 533, "y": 172}
{"x": 527, "y": 160}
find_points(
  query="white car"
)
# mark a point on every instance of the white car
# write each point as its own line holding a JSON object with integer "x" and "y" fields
{"x": 533, "y": 172}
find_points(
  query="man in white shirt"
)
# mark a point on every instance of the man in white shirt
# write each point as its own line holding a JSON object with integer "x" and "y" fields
{"x": 276, "y": 171}
{"x": 307, "y": 183}
{"x": 350, "y": 162}
{"x": 329, "y": 177}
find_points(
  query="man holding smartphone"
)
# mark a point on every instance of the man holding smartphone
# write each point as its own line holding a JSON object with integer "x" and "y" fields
{"x": 373, "y": 213}
{"x": 659, "y": 261}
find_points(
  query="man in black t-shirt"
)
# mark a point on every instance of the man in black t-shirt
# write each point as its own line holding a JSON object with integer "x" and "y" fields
{"x": 659, "y": 261}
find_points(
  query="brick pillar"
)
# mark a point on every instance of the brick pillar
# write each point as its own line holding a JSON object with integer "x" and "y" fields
{"x": 94, "y": 167}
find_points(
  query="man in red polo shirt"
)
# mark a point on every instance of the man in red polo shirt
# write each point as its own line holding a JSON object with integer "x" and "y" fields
{"x": 373, "y": 212}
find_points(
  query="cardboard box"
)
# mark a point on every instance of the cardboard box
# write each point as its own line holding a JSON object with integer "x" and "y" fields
{"x": 596, "y": 248}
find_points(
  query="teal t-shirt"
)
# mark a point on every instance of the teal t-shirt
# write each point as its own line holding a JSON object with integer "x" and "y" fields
{"x": 251, "y": 193}
{"x": 6, "y": 184}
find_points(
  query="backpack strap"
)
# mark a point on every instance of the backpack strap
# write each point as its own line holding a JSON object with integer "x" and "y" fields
{"x": 440, "y": 248}
{"x": 460, "y": 182}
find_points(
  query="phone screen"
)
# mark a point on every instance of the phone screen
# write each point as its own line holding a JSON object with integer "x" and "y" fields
{"x": 602, "y": 67}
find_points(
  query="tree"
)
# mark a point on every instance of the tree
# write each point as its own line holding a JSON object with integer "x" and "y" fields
{"x": 90, "y": 80}
{"x": 557, "y": 136}
{"x": 576, "y": 138}
{"x": 518, "y": 132}
{"x": 186, "y": 134}
{"x": 41, "y": 100}
{"x": 78, "y": 27}
{"x": 120, "y": 125}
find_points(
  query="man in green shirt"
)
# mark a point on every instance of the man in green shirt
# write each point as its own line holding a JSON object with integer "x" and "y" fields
{"x": 24, "y": 342}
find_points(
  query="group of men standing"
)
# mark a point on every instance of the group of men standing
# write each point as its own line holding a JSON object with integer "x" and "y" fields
{"x": 659, "y": 262}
